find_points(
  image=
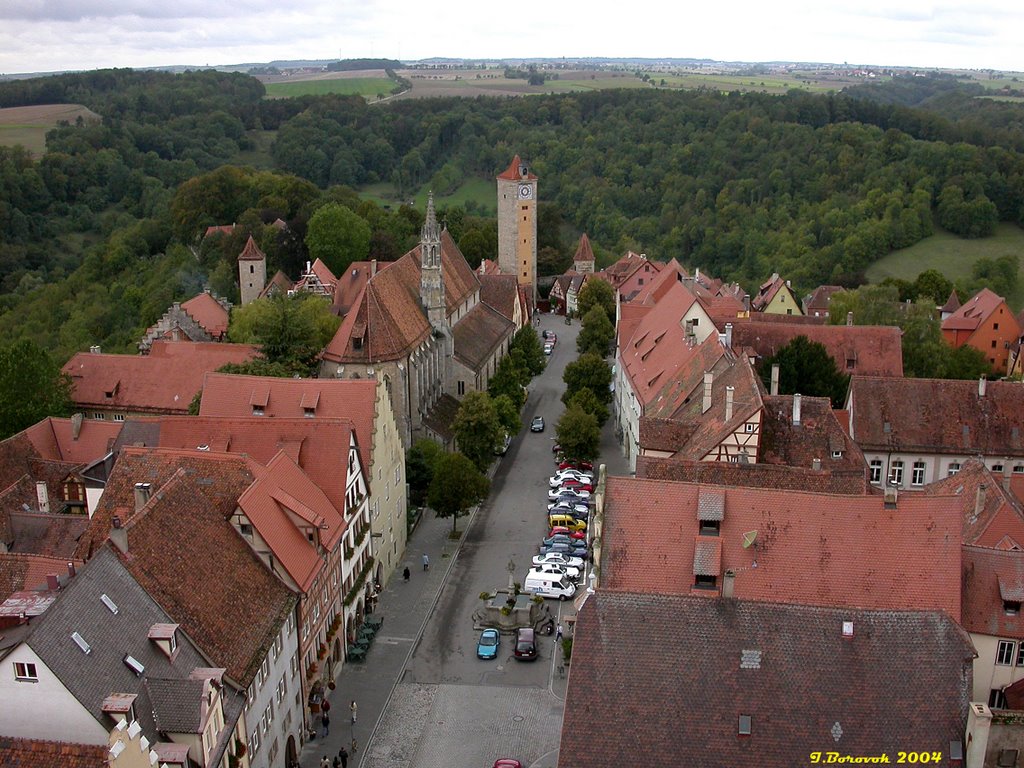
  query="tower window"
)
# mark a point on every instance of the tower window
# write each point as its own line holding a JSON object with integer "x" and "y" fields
{"x": 252, "y": 269}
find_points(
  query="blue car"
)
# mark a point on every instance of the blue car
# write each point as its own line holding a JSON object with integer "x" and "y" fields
{"x": 487, "y": 648}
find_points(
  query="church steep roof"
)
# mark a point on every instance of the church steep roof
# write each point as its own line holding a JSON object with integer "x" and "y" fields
{"x": 251, "y": 251}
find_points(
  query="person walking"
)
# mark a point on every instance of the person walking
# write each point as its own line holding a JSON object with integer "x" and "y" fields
{"x": 352, "y": 707}
{"x": 325, "y": 763}
{"x": 426, "y": 562}
{"x": 343, "y": 756}
{"x": 336, "y": 763}
{"x": 325, "y": 721}
{"x": 558, "y": 634}
{"x": 405, "y": 573}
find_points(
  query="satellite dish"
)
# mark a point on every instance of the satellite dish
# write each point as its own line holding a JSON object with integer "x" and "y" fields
{"x": 749, "y": 538}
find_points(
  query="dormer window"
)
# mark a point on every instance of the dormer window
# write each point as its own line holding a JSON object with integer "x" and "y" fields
{"x": 257, "y": 411}
{"x": 1011, "y": 607}
{"x": 165, "y": 636}
{"x": 710, "y": 527}
{"x": 357, "y": 342}
{"x": 309, "y": 413}
{"x": 705, "y": 582}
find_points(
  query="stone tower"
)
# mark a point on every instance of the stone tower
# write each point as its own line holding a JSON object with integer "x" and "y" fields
{"x": 517, "y": 224}
{"x": 431, "y": 277}
{"x": 252, "y": 271}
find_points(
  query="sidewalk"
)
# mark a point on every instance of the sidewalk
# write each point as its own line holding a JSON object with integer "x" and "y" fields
{"x": 405, "y": 608}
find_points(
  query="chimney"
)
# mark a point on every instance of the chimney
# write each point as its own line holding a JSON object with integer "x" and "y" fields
{"x": 728, "y": 403}
{"x": 849, "y": 318}
{"x": 42, "y": 496}
{"x": 848, "y": 630}
{"x": 94, "y": 349}
{"x": 727, "y": 582}
{"x": 76, "y": 425}
{"x": 816, "y": 464}
{"x": 796, "y": 410}
{"x": 52, "y": 583}
{"x": 774, "y": 387}
{"x": 118, "y": 535}
{"x": 789, "y": 284}
{"x": 746, "y": 302}
{"x": 373, "y": 267}
{"x": 142, "y": 494}
{"x": 982, "y": 384}
{"x": 728, "y": 335}
{"x": 979, "y": 499}
{"x": 71, "y": 570}
{"x": 709, "y": 378}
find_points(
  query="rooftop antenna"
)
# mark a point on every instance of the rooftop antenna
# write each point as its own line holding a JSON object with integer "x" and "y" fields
{"x": 749, "y": 538}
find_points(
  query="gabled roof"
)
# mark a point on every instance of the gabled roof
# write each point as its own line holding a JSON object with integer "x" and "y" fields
{"x": 319, "y": 446}
{"x": 583, "y": 251}
{"x": 210, "y": 313}
{"x": 860, "y": 554}
{"x": 992, "y": 515}
{"x": 251, "y": 251}
{"x": 820, "y": 297}
{"x": 753, "y": 475}
{"x": 33, "y": 753}
{"x": 317, "y": 279}
{"x": 22, "y": 573}
{"x": 661, "y": 283}
{"x": 351, "y": 399}
{"x": 872, "y": 350}
{"x": 973, "y": 312}
{"x": 351, "y": 282}
{"x": 937, "y": 415}
{"x": 222, "y": 229}
{"x": 683, "y": 386}
{"x": 187, "y": 520}
{"x": 991, "y": 576}
{"x": 768, "y": 291}
{"x": 61, "y": 440}
{"x": 164, "y": 381}
{"x": 440, "y": 418}
{"x": 388, "y": 315}
{"x": 278, "y": 285}
{"x": 517, "y": 171}
{"x": 48, "y": 534}
{"x": 819, "y": 435}
{"x": 661, "y": 681}
{"x": 478, "y": 334}
{"x": 500, "y": 292}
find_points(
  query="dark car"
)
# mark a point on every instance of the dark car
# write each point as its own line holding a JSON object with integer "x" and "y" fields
{"x": 526, "y": 644}
{"x": 537, "y": 425}
{"x": 564, "y": 549}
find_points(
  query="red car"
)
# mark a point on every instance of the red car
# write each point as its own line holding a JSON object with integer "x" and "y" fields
{"x": 577, "y": 485}
{"x": 583, "y": 466}
{"x": 507, "y": 762}
{"x": 562, "y": 529}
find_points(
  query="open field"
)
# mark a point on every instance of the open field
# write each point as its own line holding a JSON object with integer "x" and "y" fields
{"x": 481, "y": 191}
{"x": 367, "y": 87}
{"x": 953, "y": 257}
{"x": 259, "y": 156}
{"x": 27, "y": 126}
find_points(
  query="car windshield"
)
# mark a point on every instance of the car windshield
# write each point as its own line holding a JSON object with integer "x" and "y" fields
{"x": 489, "y": 640}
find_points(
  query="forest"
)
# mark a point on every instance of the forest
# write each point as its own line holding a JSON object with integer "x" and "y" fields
{"x": 99, "y": 235}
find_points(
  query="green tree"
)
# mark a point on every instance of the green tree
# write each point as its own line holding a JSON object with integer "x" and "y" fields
{"x": 508, "y": 414}
{"x": 806, "y": 367}
{"x": 578, "y": 434}
{"x": 596, "y": 333}
{"x": 477, "y": 428}
{"x": 507, "y": 382}
{"x": 527, "y": 342}
{"x": 291, "y": 330}
{"x": 966, "y": 362}
{"x": 925, "y": 353}
{"x": 337, "y": 237}
{"x": 588, "y": 401}
{"x": 456, "y": 486}
{"x": 33, "y": 385}
{"x": 596, "y": 292}
{"x": 588, "y": 371}
{"x": 420, "y": 461}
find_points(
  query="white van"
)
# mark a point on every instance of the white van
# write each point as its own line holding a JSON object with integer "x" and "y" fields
{"x": 549, "y": 585}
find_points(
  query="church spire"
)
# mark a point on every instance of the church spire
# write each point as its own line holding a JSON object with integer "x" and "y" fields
{"x": 430, "y": 235}
{"x": 431, "y": 275}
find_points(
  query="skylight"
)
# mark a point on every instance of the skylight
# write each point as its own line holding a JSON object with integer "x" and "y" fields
{"x": 109, "y": 603}
{"x": 80, "y": 642}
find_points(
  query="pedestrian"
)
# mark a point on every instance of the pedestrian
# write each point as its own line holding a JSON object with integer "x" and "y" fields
{"x": 326, "y": 706}
{"x": 426, "y": 561}
{"x": 352, "y": 707}
{"x": 325, "y": 763}
{"x": 325, "y": 720}
{"x": 343, "y": 756}
{"x": 558, "y": 633}
{"x": 336, "y": 763}
{"x": 405, "y": 573}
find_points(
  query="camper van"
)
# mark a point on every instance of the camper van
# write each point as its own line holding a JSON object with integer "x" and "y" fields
{"x": 549, "y": 585}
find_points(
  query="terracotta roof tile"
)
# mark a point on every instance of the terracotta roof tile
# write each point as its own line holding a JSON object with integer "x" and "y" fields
{"x": 584, "y": 252}
{"x": 500, "y": 292}
{"x": 478, "y": 334}
{"x": 351, "y": 283}
{"x": 866, "y": 350}
{"x": 952, "y": 303}
{"x": 754, "y": 475}
{"x": 51, "y": 535}
{"x": 973, "y": 312}
{"x": 767, "y": 292}
{"x": 515, "y": 169}
{"x": 818, "y": 436}
{"x": 164, "y": 381}
{"x": 818, "y": 300}
{"x": 32, "y": 753}
{"x": 991, "y": 576}
{"x": 24, "y": 572}
{"x": 859, "y": 554}
{"x": 209, "y": 313}
{"x": 251, "y": 251}
{"x": 661, "y": 681}
{"x": 992, "y": 515}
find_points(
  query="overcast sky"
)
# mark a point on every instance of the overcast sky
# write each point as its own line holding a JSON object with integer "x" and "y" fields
{"x": 49, "y": 35}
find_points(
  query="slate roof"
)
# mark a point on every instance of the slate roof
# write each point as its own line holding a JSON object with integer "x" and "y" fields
{"x": 818, "y": 436}
{"x": 860, "y": 554}
{"x": 754, "y": 475}
{"x": 164, "y": 381}
{"x": 991, "y": 576}
{"x": 183, "y": 542}
{"x": 32, "y": 753}
{"x": 209, "y": 313}
{"x": 176, "y": 704}
{"x": 973, "y": 312}
{"x": 992, "y": 515}
{"x": 937, "y": 416}
{"x": 478, "y": 334}
{"x": 352, "y": 399}
{"x": 388, "y": 313}
{"x": 873, "y": 350}
{"x": 661, "y": 681}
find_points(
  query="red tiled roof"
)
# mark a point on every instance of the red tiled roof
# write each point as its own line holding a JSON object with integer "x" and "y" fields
{"x": 278, "y": 285}
{"x": 209, "y": 313}
{"x": 820, "y": 297}
{"x": 500, "y": 292}
{"x": 811, "y": 548}
{"x": 952, "y": 303}
{"x": 662, "y": 681}
{"x": 873, "y": 350}
{"x": 164, "y": 381}
{"x": 819, "y": 436}
{"x": 223, "y": 229}
{"x": 753, "y": 475}
{"x": 23, "y": 572}
{"x": 937, "y": 415}
{"x": 661, "y": 283}
{"x": 513, "y": 172}
{"x": 973, "y": 312}
{"x": 350, "y": 284}
{"x": 683, "y": 386}
{"x": 33, "y": 753}
{"x": 351, "y": 399}
{"x": 583, "y": 251}
{"x": 991, "y": 576}
{"x": 251, "y": 251}
{"x": 53, "y": 535}
{"x": 767, "y": 292}
{"x": 991, "y": 514}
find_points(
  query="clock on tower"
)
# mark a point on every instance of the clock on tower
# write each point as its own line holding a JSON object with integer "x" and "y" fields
{"x": 525, "y": 192}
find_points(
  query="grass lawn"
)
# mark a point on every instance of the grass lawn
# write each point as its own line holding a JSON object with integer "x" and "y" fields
{"x": 367, "y": 87}
{"x": 31, "y": 137}
{"x": 259, "y": 156}
{"x": 480, "y": 190}
{"x": 952, "y": 256}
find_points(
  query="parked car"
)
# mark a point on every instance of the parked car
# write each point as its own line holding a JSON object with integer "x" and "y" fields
{"x": 537, "y": 425}
{"x": 560, "y": 520}
{"x": 502, "y": 447}
{"x": 560, "y": 478}
{"x": 563, "y": 548}
{"x": 569, "y": 505}
{"x": 580, "y": 534}
{"x": 487, "y": 646}
{"x": 548, "y": 349}
{"x": 507, "y": 762}
{"x": 583, "y": 466}
{"x": 526, "y": 644}
{"x": 557, "y": 493}
{"x": 558, "y": 559}
{"x": 560, "y": 570}
{"x": 577, "y": 485}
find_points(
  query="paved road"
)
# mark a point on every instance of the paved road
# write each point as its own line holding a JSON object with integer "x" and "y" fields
{"x": 425, "y": 700}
